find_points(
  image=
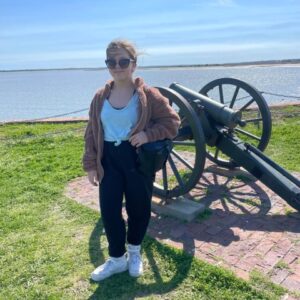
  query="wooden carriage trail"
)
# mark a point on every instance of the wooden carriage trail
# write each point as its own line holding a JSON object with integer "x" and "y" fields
{"x": 245, "y": 226}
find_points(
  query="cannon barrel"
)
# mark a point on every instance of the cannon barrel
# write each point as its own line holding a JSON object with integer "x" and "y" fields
{"x": 218, "y": 111}
{"x": 263, "y": 168}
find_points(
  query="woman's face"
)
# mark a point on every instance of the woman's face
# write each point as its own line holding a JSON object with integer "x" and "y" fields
{"x": 118, "y": 73}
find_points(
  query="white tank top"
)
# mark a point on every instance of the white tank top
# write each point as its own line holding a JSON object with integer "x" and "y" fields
{"x": 118, "y": 122}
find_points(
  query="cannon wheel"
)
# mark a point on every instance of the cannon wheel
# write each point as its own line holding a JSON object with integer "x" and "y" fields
{"x": 184, "y": 166}
{"x": 241, "y": 96}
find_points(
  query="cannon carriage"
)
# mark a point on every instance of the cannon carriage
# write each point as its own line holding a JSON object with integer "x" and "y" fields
{"x": 229, "y": 122}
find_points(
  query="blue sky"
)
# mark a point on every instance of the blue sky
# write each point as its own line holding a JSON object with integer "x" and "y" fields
{"x": 73, "y": 33}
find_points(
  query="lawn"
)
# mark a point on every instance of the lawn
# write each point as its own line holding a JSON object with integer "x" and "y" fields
{"x": 50, "y": 244}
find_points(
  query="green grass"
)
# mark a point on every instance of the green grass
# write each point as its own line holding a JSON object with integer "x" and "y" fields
{"x": 50, "y": 244}
{"x": 285, "y": 143}
{"x": 282, "y": 265}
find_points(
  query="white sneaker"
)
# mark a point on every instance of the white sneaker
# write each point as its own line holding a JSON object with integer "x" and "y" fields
{"x": 110, "y": 267}
{"x": 135, "y": 263}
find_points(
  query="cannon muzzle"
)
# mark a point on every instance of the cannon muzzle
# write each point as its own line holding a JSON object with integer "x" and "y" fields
{"x": 218, "y": 111}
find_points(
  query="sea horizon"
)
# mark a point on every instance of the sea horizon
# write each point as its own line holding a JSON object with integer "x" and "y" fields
{"x": 294, "y": 61}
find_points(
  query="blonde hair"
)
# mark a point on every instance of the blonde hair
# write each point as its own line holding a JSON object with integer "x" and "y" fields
{"x": 122, "y": 44}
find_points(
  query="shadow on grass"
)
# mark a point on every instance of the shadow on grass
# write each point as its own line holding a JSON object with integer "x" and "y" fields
{"x": 155, "y": 280}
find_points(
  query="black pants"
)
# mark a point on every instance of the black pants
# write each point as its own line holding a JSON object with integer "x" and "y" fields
{"x": 121, "y": 177}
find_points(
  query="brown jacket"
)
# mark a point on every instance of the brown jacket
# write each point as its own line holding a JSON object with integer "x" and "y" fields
{"x": 156, "y": 117}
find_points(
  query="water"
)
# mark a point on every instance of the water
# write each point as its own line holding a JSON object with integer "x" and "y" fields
{"x": 35, "y": 94}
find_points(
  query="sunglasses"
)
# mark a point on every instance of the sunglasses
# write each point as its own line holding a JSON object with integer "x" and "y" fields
{"x": 111, "y": 63}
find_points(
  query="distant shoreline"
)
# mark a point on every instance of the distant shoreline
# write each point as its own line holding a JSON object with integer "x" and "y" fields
{"x": 86, "y": 118}
{"x": 269, "y": 63}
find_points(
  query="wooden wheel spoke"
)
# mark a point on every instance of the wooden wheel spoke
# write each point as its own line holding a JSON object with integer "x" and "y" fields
{"x": 221, "y": 94}
{"x": 247, "y": 104}
{"x": 253, "y": 120}
{"x": 165, "y": 177}
{"x": 181, "y": 159}
{"x": 175, "y": 171}
{"x": 217, "y": 153}
{"x": 234, "y": 96}
{"x": 248, "y": 134}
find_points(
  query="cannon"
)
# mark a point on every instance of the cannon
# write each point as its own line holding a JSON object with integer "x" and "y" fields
{"x": 229, "y": 122}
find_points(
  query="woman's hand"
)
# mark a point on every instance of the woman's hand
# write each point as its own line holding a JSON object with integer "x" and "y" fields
{"x": 93, "y": 177}
{"x": 138, "y": 139}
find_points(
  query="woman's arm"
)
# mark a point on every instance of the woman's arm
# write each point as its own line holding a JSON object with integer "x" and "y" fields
{"x": 89, "y": 158}
{"x": 164, "y": 119}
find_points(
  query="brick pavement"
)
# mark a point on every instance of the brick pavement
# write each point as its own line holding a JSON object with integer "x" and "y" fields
{"x": 246, "y": 226}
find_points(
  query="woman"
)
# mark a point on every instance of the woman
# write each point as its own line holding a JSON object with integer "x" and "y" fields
{"x": 124, "y": 115}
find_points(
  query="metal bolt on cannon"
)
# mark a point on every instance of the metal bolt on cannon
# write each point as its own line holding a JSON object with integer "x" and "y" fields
{"x": 229, "y": 122}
